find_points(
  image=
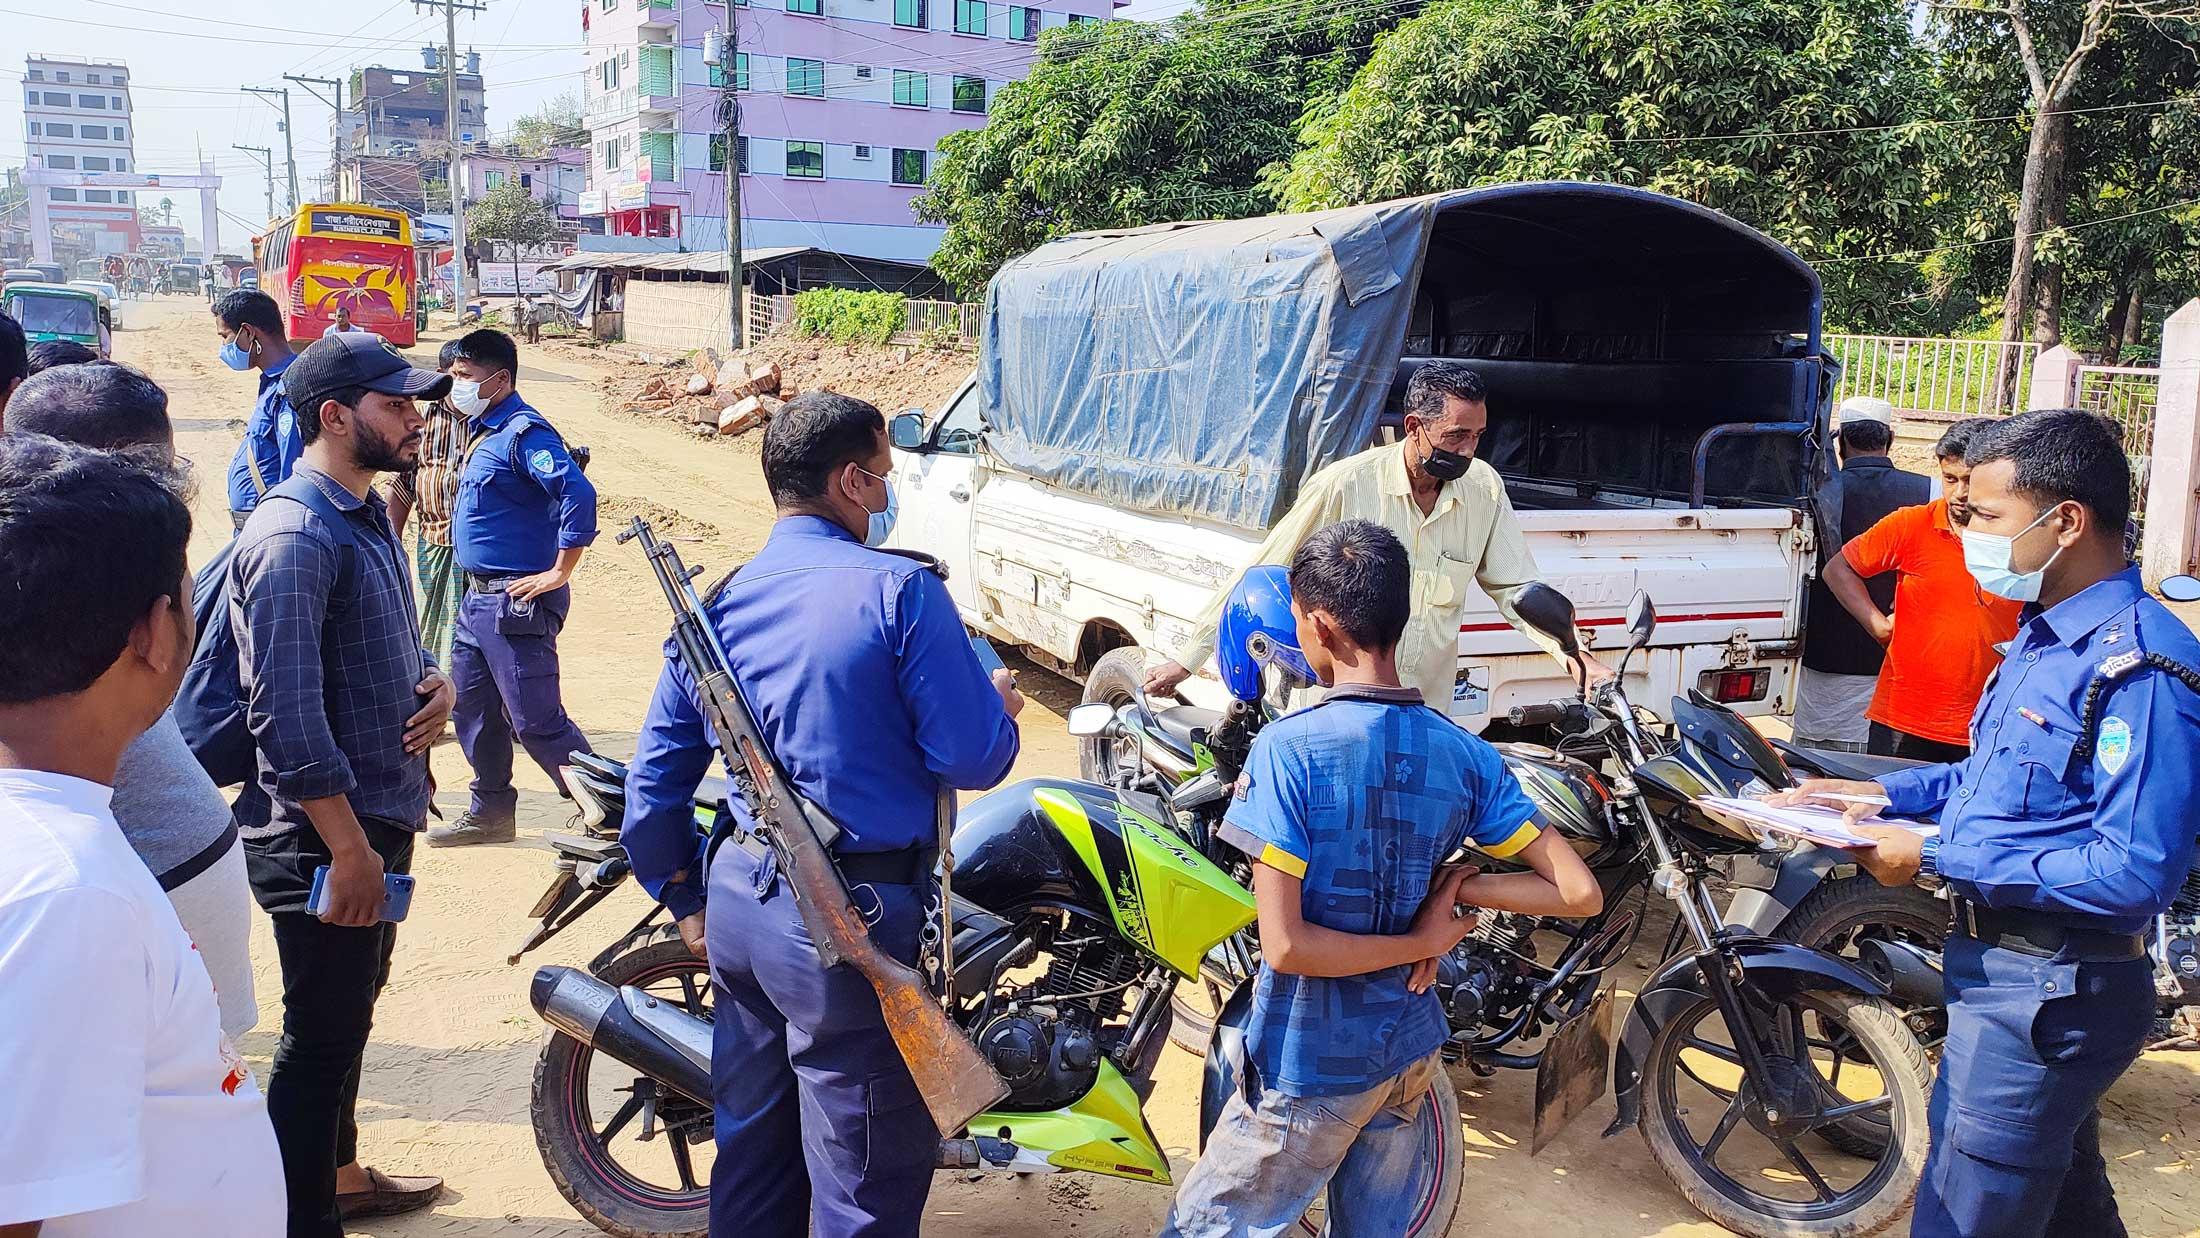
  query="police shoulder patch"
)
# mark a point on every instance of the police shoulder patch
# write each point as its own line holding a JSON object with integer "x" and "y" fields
{"x": 284, "y": 423}
{"x": 2114, "y": 747}
{"x": 542, "y": 461}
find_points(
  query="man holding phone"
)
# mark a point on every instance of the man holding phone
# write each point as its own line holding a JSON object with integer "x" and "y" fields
{"x": 343, "y": 703}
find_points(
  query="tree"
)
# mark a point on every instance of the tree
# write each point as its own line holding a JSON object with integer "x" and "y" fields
{"x": 558, "y": 122}
{"x": 1116, "y": 126}
{"x": 1797, "y": 117}
{"x": 509, "y": 213}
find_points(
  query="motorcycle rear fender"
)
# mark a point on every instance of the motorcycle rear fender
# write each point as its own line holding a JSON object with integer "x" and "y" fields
{"x": 1102, "y": 1132}
{"x": 1776, "y": 968}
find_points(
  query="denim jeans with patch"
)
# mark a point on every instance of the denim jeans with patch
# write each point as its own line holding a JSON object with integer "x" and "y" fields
{"x": 1271, "y": 1154}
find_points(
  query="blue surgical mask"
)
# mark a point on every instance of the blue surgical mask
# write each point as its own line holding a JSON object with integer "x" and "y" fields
{"x": 1988, "y": 556}
{"x": 234, "y": 356}
{"x": 882, "y": 522}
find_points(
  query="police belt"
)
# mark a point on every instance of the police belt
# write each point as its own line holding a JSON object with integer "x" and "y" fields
{"x": 906, "y": 867}
{"x": 476, "y": 583}
{"x": 2039, "y": 934}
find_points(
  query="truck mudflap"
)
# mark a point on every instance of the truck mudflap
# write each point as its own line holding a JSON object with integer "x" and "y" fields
{"x": 1774, "y": 968}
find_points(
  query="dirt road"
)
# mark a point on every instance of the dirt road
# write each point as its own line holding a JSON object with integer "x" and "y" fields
{"x": 448, "y": 1074}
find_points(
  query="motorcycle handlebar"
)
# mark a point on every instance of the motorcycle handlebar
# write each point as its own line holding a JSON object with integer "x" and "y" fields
{"x": 1535, "y": 715}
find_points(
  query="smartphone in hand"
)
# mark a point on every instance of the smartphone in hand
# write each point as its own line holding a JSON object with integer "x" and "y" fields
{"x": 989, "y": 659}
{"x": 397, "y": 895}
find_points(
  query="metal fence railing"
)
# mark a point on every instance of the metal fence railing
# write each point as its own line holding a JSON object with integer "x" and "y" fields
{"x": 955, "y": 320}
{"x": 2126, "y": 395}
{"x": 1946, "y": 378}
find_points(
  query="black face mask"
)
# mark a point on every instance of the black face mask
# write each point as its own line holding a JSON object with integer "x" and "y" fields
{"x": 1443, "y": 465}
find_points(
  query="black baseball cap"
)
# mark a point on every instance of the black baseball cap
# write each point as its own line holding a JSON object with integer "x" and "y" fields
{"x": 357, "y": 359}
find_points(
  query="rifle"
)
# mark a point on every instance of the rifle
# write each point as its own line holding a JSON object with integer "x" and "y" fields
{"x": 955, "y": 1080}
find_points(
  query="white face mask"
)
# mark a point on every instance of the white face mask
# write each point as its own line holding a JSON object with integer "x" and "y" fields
{"x": 1988, "y": 556}
{"x": 466, "y": 397}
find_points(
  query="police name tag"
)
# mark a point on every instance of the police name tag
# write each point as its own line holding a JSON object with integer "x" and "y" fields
{"x": 2115, "y": 745}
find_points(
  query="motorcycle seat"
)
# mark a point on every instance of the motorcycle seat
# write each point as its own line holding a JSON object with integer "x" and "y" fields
{"x": 1859, "y": 766}
{"x": 1185, "y": 725}
{"x": 584, "y": 847}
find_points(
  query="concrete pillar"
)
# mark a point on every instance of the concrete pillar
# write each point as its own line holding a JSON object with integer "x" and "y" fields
{"x": 2054, "y": 379}
{"x": 210, "y": 213}
{"x": 2167, "y": 549}
{"x": 41, "y": 223}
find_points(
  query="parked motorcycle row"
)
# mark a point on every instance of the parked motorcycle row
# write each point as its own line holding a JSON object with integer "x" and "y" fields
{"x": 1776, "y": 1059}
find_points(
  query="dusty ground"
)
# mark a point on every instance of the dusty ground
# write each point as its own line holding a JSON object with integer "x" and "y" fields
{"x": 447, "y": 1077}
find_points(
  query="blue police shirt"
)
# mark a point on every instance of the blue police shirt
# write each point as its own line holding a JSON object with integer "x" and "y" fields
{"x": 521, "y": 498}
{"x": 1361, "y": 797}
{"x": 863, "y": 684}
{"x": 2106, "y": 837}
{"x": 270, "y": 441}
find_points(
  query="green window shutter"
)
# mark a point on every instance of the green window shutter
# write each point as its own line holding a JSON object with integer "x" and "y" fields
{"x": 656, "y": 71}
{"x": 909, "y": 13}
{"x": 660, "y": 150}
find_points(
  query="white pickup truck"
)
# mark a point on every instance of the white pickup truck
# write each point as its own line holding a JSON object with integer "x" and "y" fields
{"x": 1610, "y": 465}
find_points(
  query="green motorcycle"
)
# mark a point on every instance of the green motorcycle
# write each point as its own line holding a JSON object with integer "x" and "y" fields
{"x": 1078, "y": 910}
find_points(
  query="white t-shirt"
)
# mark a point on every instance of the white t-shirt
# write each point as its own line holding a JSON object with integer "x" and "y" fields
{"x": 127, "y": 1113}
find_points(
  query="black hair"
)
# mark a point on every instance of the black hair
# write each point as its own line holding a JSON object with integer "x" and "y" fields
{"x": 491, "y": 348}
{"x": 249, "y": 307}
{"x": 88, "y": 540}
{"x": 2064, "y": 455}
{"x": 15, "y": 361}
{"x": 447, "y": 354}
{"x": 1426, "y": 390}
{"x": 1866, "y": 437}
{"x": 97, "y": 404}
{"x": 50, "y": 354}
{"x": 1356, "y": 571}
{"x": 308, "y": 414}
{"x": 810, "y": 437}
{"x": 1956, "y": 440}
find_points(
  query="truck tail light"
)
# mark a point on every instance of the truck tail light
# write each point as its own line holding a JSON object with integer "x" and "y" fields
{"x": 1728, "y": 687}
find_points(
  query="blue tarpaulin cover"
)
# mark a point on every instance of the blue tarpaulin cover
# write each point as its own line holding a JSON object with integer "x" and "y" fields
{"x": 1207, "y": 368}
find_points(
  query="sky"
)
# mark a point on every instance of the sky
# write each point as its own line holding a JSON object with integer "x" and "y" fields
{"x": 187, "y": 64}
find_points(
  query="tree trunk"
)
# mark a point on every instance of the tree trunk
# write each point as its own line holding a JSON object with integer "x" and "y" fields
{"x": 2112, "y": 323}
{"x": 2016, "y": 302}
{"x": 2135, "y": 323}
{"x": 2047, "y": 292}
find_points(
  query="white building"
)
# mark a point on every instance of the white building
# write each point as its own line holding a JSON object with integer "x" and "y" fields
{"x": 77, "y": 117}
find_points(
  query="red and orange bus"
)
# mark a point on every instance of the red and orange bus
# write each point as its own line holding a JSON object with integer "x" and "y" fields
{"x": 330, "y": 254}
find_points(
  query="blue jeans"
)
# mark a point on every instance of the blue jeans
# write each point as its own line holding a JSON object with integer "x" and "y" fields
{"x": 1271, "y": 1154}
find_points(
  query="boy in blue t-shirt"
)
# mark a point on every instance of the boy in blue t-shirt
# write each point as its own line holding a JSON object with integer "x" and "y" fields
{"x": 1348, "y": 808}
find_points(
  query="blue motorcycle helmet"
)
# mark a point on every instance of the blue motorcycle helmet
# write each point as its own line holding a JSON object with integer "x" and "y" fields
{"x": 1257, "y": 631}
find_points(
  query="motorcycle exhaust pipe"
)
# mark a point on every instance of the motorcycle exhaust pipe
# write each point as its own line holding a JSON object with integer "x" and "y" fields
{"x": 1911, "y": 974}
{"x": 651, "y": 1035}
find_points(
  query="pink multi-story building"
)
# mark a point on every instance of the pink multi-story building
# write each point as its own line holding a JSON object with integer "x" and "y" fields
{"x": 843, "y": 105}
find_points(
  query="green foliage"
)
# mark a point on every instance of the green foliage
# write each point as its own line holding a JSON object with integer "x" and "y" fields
{"x": 1118, "y": 125}
{"x": 558, "y": 122}
{"x": 849, "y": 316}
{"x": 509, "y": 213}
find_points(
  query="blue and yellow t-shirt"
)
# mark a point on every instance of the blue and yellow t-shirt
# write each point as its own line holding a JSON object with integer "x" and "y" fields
{"x": 1361, "y": 797}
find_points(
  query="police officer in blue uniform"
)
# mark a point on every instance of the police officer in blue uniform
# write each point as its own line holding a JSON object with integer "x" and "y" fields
{"x": 524, "y": 514}
{"x": 866, "y": 688}
{"x": 251, "y": 330}
{"x": 2067, "y": 830}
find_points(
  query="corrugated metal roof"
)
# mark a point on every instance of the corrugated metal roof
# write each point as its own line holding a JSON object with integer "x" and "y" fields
{"x": 712, "y": 263}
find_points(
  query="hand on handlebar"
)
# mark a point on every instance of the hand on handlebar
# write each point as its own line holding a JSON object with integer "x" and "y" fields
{"x": 1588, "y": 672}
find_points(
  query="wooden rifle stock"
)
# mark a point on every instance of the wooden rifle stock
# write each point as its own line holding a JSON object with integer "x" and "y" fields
{"x": 956, "y": 1081}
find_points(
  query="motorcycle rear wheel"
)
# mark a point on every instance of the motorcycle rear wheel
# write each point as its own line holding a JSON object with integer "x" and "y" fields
{"x": 579, "y": 1155}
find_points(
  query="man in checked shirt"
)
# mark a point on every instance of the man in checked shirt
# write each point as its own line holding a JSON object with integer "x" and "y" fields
{"x": 428, "y": 491}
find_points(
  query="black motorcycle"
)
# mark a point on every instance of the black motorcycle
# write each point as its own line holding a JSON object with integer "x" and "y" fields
{"x": 1776, "y": 1085}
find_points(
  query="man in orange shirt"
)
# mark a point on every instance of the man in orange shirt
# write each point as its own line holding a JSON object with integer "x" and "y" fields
{"x": 1941, "y": 638}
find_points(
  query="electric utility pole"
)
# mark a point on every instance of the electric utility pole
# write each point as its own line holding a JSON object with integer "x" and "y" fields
{"x": 267, "y": 163}
{"x": 455, "y": 174}
{"x": 336, "y": 143}
{"x": 727, "y": 44}
{"x": 290, "y": 149}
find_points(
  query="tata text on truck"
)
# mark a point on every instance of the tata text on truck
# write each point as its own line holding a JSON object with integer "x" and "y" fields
{"x": 1147, "y": 403}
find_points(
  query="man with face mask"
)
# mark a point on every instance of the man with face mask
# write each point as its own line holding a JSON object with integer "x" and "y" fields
{"x": 252, "y": 338}
{"x": 863, "y": 683}
{"x": 1448, "y": 508}
{"x": 525, "y": 513}
{"x": 2065, "y": 833}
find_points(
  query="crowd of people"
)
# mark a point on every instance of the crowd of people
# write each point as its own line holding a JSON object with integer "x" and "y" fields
{"x": 2063, "y": 799}
{"x": 304, "y": 636}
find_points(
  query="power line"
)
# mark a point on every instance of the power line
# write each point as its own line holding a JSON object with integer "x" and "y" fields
{"x": 1906, "y": 254}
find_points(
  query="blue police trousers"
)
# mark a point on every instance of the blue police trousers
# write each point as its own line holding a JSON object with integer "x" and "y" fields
{"x": 820, "y": 1128}
{"x": 2033, "y": 1043}
{"x": 504, "y": 668}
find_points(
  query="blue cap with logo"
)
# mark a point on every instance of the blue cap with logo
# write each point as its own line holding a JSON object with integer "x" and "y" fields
{"x": 357, "y": 359}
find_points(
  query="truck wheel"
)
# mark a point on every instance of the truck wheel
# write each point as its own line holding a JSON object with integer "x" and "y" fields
{"x": 1114, "y": 680}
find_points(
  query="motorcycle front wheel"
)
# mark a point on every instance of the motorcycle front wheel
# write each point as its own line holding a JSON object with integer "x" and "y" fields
{"x": 631, "y": 1157}
{"x": 1835, "y": 1057}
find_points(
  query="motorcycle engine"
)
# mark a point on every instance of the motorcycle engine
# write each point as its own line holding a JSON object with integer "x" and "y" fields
{"x": 1048, "y": 1041}
{"x": 1482, "y": 978}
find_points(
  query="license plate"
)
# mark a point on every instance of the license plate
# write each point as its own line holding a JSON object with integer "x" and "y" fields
{"x": 559, "y": 884}
{"x": 1572, "y": 1074}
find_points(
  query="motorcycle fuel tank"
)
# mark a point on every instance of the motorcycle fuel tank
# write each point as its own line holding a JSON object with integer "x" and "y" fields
{"x": 1057, "y": 840}
{"x": 1568, "y": 795}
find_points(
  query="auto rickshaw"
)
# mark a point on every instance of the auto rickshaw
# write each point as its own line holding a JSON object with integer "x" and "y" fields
{"x": 108, "y": 296}
{"x": 183, "y": 277}
{"x": 60, "y": 312}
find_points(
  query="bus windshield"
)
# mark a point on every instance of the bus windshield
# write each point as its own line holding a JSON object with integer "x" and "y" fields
{"x": 53, "y": 315}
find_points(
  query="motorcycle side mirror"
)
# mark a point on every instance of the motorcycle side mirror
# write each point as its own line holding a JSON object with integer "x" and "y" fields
{"x": 906, "y": 430}
{"x": 1548, "y": 611}
{"x": 1093, "y": 718}
{"x": 1642, "y": 617}
{"x": 2181, "y": 589}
